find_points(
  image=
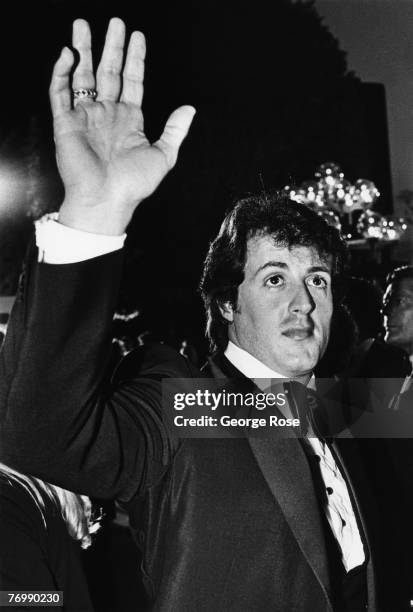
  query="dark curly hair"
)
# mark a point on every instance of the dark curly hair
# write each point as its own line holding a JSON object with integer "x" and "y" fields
{"x": 289, "y": 223}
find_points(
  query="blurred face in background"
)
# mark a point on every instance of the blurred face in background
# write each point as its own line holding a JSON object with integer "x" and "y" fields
{"x": 398, "y": 314}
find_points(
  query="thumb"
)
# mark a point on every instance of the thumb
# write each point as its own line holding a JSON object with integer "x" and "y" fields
{"x": 175, "y": 130}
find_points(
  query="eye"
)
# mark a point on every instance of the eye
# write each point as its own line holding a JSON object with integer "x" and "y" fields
{"x": 317, "y": 281}
{"x": 275, "y": 280}
{"x": 400, "y": 301}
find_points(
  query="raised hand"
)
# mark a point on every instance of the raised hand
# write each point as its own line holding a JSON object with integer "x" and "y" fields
{"x": 105, "y": 160}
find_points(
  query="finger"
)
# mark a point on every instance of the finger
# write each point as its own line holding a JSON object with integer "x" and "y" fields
{"x": 133, "y": 72}
{"x": 60, "y": 94}
{"x": 108, "y": 73}
{"x": 83, "y": 77}
{"x": 176, "y": 129}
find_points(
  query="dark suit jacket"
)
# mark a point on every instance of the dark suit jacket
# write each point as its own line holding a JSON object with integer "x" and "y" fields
{"x": 224, "y": 524}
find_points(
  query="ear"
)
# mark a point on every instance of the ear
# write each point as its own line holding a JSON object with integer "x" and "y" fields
{"x": 227, "y": 311}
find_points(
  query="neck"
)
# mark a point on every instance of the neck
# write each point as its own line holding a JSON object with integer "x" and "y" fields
{"x": 304, "y": 379}
{"x": 407, "y": 348}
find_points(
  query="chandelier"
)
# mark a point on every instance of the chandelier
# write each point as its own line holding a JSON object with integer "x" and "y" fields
{"x": 347, "y": 206}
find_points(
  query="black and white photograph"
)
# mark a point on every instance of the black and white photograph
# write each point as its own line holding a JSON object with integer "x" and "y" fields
{"x": 206, "y": 306}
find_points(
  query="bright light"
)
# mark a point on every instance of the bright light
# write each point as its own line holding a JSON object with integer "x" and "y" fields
{"x": 374, "y": 232}
{"x": 6, "y": 303}
{"x": 13, "y": 190}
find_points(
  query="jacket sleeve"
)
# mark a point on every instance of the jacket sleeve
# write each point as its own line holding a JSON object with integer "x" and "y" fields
{"x": 59, "y": 420}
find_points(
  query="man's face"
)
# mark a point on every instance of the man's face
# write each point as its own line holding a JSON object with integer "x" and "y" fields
{"x": 284, "y": 306}
{"x": 398, "y": 314}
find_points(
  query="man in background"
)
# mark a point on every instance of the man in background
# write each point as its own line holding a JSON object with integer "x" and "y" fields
{"x": 398, "y": 312}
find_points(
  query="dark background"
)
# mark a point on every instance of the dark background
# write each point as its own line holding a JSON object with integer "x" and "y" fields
{"x": 274, "y": 99}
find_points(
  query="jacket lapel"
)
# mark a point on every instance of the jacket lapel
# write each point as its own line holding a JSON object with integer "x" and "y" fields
{"x": 371, "y": 580}
{"x": 285, "y": 468}
{"x": 335, "y": 399}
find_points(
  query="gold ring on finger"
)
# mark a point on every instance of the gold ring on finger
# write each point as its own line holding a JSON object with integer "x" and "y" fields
{"x": 79, "y": 94}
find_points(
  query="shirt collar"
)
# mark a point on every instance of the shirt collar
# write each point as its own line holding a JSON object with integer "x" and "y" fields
{"x": 253, "y": 368}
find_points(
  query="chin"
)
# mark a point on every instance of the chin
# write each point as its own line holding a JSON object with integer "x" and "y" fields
{"x": 300, "y": 367}
{"x": 303, "y": 362}
{"x": 395, "y": 340}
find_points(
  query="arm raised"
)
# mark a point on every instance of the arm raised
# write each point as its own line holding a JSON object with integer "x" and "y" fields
{"x": 59, "y": 418}
{"x": 105, "y": 160}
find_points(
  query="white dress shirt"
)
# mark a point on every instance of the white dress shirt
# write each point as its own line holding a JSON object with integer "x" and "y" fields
{"x": 59, "y": 244}
{"x": 339, "y": 509}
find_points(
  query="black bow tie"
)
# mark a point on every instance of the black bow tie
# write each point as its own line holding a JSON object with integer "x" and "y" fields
{"x": 305, "y": 405}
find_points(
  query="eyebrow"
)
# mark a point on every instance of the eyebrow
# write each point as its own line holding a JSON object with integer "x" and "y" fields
{"x": 399, "y": 294}
{"x": 283, "y": 265}
{"x": 320, "y": 268}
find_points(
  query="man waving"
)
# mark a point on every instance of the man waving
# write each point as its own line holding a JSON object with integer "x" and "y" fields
{"x": 224, "y": 524}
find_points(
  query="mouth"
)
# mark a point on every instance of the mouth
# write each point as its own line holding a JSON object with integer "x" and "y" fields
{"x": 298, "y": 333}
{"x": 390, "y": 325}
{"x": 392, "y": 328}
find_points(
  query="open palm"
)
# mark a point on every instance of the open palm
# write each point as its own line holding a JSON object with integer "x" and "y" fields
{"x": 105, "y": 160}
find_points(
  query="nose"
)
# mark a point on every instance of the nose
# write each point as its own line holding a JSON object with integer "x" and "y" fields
{"x": 302, "y": 301}
{"x": 387, "y": 308}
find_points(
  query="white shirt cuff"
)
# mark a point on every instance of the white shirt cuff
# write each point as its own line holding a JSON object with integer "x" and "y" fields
{"x": 59, "y": 244}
